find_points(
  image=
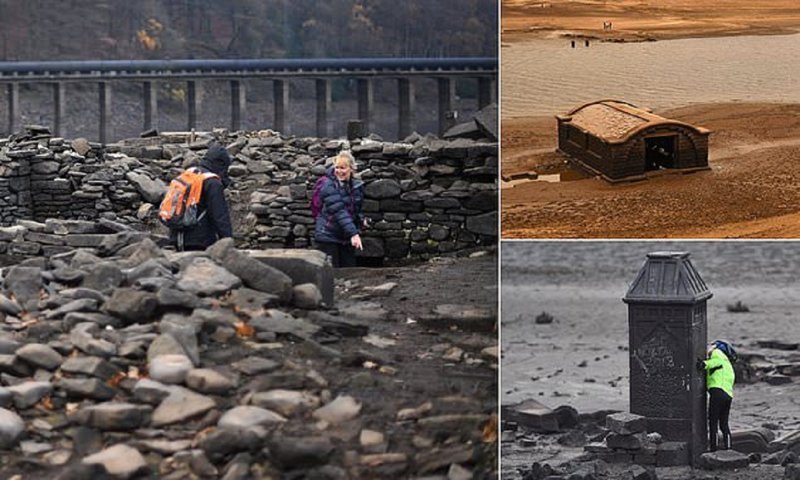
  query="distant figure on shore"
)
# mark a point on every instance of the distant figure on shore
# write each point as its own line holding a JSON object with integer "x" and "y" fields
{"x": 336, "y": 208}
{"x": 720, "y": 378}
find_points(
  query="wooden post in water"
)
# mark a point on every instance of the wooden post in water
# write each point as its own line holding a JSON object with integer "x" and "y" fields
{"x": 323, "y": 88}
{"x": 280, "y": 95}
{"x": 150, "y": 94}
{"x": 12, "y": 92}
{"x": 366, "y": 102}
{"x": 446, "y": 93}
{"x": 58, "y": 108}
{"x": 192, "y": 103}
{"x": 238, "y": 104}
{"x": 104, "y": 90}
{"x": 406, "y": 105}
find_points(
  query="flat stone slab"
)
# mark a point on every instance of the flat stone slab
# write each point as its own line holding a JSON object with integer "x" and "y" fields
{"x": 181, "y": 404}
{"x": 626, "y": 423}
{"x": 531, "y": 414}
{"x": 302, "y": 266}
{"x": 121, "y": 461}
{"x": 723, "y": 460}
{"x": 114, "y": 416}
{"x": 465, "y": 317}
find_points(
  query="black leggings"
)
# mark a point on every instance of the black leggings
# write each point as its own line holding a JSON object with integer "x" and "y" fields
{"x": 341, "y": 255}
{"x": 719, "y": 408}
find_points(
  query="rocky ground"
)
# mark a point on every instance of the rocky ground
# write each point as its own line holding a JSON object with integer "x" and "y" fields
{"x": 130, "y": 361}
{"x": 751, "y": 190}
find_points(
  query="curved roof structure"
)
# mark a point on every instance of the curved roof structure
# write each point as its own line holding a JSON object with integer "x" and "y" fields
{"x": 616, "y": 121}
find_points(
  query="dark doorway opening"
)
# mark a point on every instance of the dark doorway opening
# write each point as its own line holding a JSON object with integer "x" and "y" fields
{"x": 660, "y": 152}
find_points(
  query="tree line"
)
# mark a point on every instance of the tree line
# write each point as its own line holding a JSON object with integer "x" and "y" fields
{"x": 164, "y": 29}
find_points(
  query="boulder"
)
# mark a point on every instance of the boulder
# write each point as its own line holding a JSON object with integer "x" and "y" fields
{"x": 256, "y": 275}
{"x": 120, "y": 461}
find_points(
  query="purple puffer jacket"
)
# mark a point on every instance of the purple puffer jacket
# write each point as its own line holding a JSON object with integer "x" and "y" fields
{"x": 340, "y": 217}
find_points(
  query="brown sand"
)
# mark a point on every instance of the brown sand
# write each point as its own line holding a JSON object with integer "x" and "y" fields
{"x": 636, "y": 20}
{"x": 752, "y": 191}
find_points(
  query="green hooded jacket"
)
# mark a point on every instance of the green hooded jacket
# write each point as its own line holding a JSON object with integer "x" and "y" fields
{"x": 719, "y": 372}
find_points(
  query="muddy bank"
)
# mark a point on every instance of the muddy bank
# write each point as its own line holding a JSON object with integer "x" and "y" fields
{"x": 580, "y": 359}
{"x": 634, "y": 21}
{"x": 751, "y": 190}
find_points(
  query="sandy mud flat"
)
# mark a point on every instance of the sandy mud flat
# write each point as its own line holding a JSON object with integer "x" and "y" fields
{"x": 633, "y": 20}
{"x": 751, "y": 191}
{"x": 581, "y": 358}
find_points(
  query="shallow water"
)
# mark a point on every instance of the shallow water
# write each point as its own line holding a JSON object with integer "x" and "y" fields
{"x": 544, "y": 77}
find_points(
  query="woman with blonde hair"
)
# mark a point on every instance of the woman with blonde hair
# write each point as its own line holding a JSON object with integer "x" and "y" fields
{"x": 336, "y": 208}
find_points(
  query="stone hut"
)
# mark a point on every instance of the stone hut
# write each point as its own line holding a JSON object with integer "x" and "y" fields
{"x": 622, "y": 142}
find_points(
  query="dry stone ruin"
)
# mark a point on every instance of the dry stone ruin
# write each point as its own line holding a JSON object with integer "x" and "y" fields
{"x": 425, "y": 196}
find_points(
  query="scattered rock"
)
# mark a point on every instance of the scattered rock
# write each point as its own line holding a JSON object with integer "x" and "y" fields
{"x": 181, "y": 404}
{"x": 626, "y": 423}
{"x": 42, "y": 356}
{"x": 246, "y": 416}
{"x": 205, "y": 380}
{"x": 342, "y": 409}
{"x": 120, "y": 461}
{"x": 723, "y": 460}
{"x": 11, "y": 428}
{"x": 170, "y": 368}
{"x": 306, "y": 296}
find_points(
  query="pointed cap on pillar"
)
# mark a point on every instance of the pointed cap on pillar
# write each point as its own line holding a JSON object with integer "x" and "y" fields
{"x": 667, "y": 277}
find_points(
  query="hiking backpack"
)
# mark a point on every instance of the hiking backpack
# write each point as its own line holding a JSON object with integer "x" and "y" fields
{"x": 316, "y": 197}
{"x": 178, "y": 210}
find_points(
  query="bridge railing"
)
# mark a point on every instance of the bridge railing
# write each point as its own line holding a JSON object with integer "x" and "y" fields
{"x": 279, "y": 71}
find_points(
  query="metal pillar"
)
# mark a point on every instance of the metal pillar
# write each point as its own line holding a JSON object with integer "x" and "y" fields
{"x": 323, "y": 87}
{"x": 484, "y": 91}
{"x": 238, "y": 104}
{"x": 667, "y": 332}
{"x": 105, "y": 110}
{"x": 446, "y": 94}
{"x": 150, "y": 93}
{"x": 58, "y": 108}
{"x": 192, "y": 103}
{"x": 366, "y": 102}
{"x": 12, "y": 92}
{"x": 406, "y": 105}
{"x": 280, "y": 94}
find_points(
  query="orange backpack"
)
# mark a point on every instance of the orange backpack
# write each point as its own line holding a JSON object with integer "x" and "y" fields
{"x": 179, "y": 208}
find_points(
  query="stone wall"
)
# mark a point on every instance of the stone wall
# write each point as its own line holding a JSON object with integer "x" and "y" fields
{"x": 424, "y": 196}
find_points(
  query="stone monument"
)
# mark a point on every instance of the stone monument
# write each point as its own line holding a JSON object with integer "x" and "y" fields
{"x": 667, "y": 334}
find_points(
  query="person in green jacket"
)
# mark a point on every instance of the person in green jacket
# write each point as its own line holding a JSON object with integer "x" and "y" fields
{"x": 719, "y": 381}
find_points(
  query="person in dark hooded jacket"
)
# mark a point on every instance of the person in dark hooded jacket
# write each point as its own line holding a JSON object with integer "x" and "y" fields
{"x": 338, "y": 226}
{"x": 215, "y": 219}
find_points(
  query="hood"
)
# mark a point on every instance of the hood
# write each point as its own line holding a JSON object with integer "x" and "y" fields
{"x": 217, "y": 160}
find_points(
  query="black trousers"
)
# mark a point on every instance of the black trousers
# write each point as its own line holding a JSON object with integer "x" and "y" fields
{"x": 719, "y": 408}
{"x": 341, "y": 255}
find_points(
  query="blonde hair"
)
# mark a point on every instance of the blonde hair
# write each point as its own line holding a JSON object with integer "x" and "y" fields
{"x": 345, "y": 156}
